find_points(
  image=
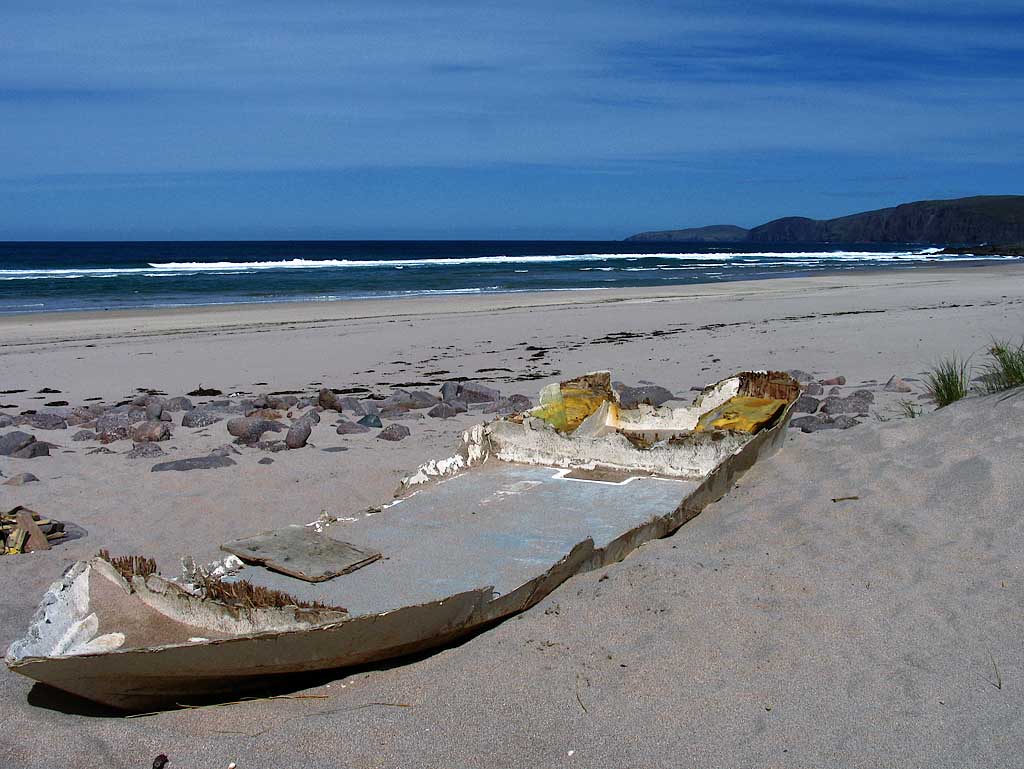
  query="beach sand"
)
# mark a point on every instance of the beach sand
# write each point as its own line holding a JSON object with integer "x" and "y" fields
{"x": 777, "y": 629}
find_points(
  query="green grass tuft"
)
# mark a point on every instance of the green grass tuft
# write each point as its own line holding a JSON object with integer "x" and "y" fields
{"x": 1006, "y": 369}
{"x": 910, "y": 410}
{"x": 948, "y": 381}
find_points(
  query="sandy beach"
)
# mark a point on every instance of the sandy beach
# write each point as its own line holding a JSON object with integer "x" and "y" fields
{"x": 779, "y": 628}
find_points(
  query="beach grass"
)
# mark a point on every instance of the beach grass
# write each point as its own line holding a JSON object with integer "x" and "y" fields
{"x": 1005, "y": 369}
{"x": 948, "y": 381}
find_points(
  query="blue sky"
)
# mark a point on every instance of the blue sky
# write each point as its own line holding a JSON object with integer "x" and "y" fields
{"x": 140, "y": 119}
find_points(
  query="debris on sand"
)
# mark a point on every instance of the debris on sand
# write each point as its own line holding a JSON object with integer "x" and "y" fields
{"x": 25, "y": 531}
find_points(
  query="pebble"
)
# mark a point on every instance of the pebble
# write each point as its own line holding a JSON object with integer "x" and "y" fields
{"x": 265, "y": 461}
{"x": 150, "y": 431}
{"x": 21, "y": 479}
{"x": 145, "y": 450}
{"x": 200, "y": 418}
{"x": 44, "y": 421}
{"x": 897, "y": 385}
{"x": 351, "y": 428}
{"x": 442, "y": 411}
{"x": 194, "y": 463}
{"x": 836, "y": 380}
{"x": 180, "y": 403}
{"x": 328, "y": 400}
{"x": 351, "y": 405}
{"x": 473, "y": 392}
{"x": 806, "y": 404}
{"x": 15, "y": 441}
{"x": 653, "y": 395}
{"x": 298, "y": 434}
{"x": 813, "y": 388}
{"x": 394, "y": 433}
{"x": 251, "y": 429}
{"x": 84, "y": 435}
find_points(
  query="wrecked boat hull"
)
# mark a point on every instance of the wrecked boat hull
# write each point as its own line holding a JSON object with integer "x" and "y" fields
{"x": 140, "y": 679}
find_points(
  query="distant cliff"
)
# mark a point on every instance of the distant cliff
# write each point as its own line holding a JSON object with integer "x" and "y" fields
{"x": 715, "y": 233}
{"x": 965, "y": 221}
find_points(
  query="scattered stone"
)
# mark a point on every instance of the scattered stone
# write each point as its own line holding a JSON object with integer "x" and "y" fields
{"x": 328, "y": 400}
{"x": 520, "y": 402}
{"x": 394, "y": 433}
{"x": 44, "y": 421}
{"x": 21, "y": 479}
{"x": 281, "y": 402}
{"x": 15, "y": 441}
{"x": 99, "y": 450}
{"x": 226, "y": 451}
{"x": 6, "y": 420}
{"x": 370, "y": 420}
{"x": 813, "y": 388}
{"x": 816, "y": 422}
{"x": 369, "y": 407}
{"x": 251, "y": 429}
{"x": 352, "y": 428}
{"x": 115, "y": 421}
{"x": 272, "y": 446}
{"x": 312, "y": 416}
{"x": 298, "y": 434}
{"x": 194, "y": 463}
{"x": 806, "y": 404}
{"x": 33, "y": 450}
{"x": 333, "y": 449}
{"x": 422, "y": 400}
{"x": 200, "y": 418}
{"x": 897, "y": 385}
{"x": 442, "y": 411}
{"x": 449, "y": 391}
{"x": 264, "y": 413}
{"x": 631, "y": 397}
{"x": 146, "y": 450}
{"x": 154, "y": 409}
{"x": 150, "y": 431}
{"x": 393, "y": 411}
{"x": 853, "y": 404}
{"x": 265, "y": 461}
{"x": 473, "y": 392}
{"x": 351, "y": 405}
{"x": 836, "y": 380}
{"x": 180, "y": 403}
{"x": 835, "y": 391}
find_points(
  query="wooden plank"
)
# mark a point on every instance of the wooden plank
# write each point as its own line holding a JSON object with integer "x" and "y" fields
{"x": 301, "y": 552}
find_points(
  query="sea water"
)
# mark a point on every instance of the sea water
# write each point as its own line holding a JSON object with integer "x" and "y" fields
{"x": 42, "y": 277}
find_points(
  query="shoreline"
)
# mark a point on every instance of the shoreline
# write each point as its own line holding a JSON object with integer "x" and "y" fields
{"x": 36, "y": 327}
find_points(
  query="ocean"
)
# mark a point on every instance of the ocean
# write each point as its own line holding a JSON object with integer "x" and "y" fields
{"x": 46, "y": 277}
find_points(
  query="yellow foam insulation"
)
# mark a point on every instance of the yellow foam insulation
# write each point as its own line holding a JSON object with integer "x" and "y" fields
{"x": 564, "y": 406}
{"x": 741, "y": 413}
